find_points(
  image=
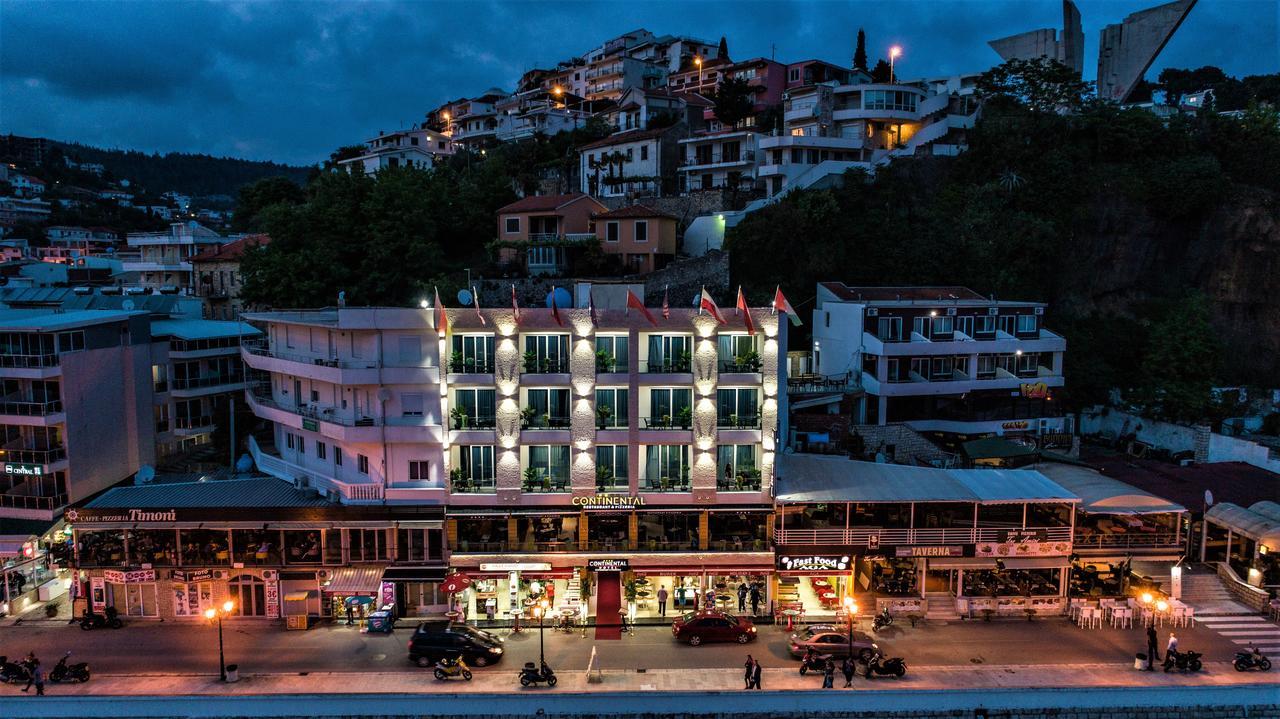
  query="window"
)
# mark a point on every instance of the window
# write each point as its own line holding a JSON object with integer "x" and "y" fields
{"x": 419, "y": 470}
{"x": 611, "y": 232}
{"x": 670, "y": 353}
{"x": 943, "y": 326}
{"x": 362, "y": 464}
{"x": 321, "y": 450}
{"x": 1006, "y": 323}
{"x": 1028, "y": 364}
{"x": 641, "y": 231}
{"x": 472, "y": 354}
{"x": 70, "y": 341}
{"x": 965, "y": 325}
{"x": 611, "y": 407}
{"x": 612, "y": 353}
{"x": 611, "y": 464}
{"x": 735, "y": 353}
{"x": 410, "y": 347}
{"x": 476, "y": 463}
{"x": 551, "y": 462}
{"x": 736, "y": 467}
{"x": 889, "y": 100}
{"x": 889, "y": 329}
{"x": 288, "y": 440}
{"x": 337, "y": 456}
{"x": 368, "y": 545}
{"x": 738, "y": 407}
{"x": 1026, "y": 324}
{"x": 986, "y": 325}
{"x": 644, "y": 152}
{"x": 670, "y": 407}
{"x": 473, "y": 408}
{"x": 411, "y": 404}
{"x": 547, "y": 408}
{"x": 511, "y": 225}
{"x": 302, "y": 444}
{"x": 546, "y": 353}
{"x": 666, "y": 466}
{"x": 793, "y": 75}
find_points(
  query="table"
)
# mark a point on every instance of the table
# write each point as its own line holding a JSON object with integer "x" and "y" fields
{"x": 791, "y": 615}
{"x": 453, "y": 615}
{"x": 828, "y": 595}
{"x": 820, "y": 583}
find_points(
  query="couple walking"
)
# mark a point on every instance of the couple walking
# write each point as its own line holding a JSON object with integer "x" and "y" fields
{"x": 752, "y": 674}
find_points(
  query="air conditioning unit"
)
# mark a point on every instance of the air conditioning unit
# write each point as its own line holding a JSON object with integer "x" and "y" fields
{"x": 299, "y": 482}
{"x": 332, "y": 496}
{"x": 269, "y": 574}
{"x": 220, "y": 574}
{"x": 951, "y": 312}
{"x": 322, "y": 575}
{"x": 873, "y": 311}
{"x": 1039, "y": 310}
{"x": 993, "y": 310}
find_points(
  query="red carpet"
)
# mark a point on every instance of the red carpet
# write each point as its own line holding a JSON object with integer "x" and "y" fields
{"x": 608, "y": 602}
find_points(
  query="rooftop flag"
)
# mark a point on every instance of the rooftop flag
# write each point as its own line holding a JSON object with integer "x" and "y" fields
{"x": 780, "y": 304}
{"x": 746, "y": 311}
{"x": 634, "y": 302}
{"x": 706, "y": 303}
{"x": 442, "y": 317}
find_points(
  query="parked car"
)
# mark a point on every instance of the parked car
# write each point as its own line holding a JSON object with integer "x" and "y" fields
{"x": 433, "y": 641}
{"x": 830, "y": 639}
{"x": 710, "y": 625}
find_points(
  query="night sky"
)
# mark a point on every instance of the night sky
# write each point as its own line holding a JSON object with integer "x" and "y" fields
{"x": 291, "y": 81}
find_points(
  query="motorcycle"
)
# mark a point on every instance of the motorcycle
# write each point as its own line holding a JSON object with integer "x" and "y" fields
{"x": 531, "y": 674}
{"x": 813, "y": 662}
{"x": 63, "y": 672}
{"x": 878, "y": 664}
{"x": 1253, "y": 659}
{"x": 14, "y": 672}
{"x": 1182, "y": 661}
{"x": 109, "y": 618}
{"x": 882, "y": 620}
{"x": 452, "y": 667}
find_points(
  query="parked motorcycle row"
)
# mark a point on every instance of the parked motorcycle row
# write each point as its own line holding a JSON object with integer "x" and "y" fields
{"x": 63, "y": 672}
{"x": 871, "y": 663}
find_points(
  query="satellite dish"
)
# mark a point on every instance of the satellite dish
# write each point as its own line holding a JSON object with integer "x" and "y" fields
{"x": 464, "y": 297}
{"x": 127, "y": 305}
{"x": 1208, "y": 498}
{"x": 145, "y": 474}
{"x": 244, "y": 464}
{"x": 563, "y": 300}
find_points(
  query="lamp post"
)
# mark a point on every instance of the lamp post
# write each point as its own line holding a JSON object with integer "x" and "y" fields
{"x": 850, "y": 609}
{"x": 541, "y": 611}
{"x": 698, "y": 61}
{"x": 218, "y": 614}
{"x": 894, "y": 52}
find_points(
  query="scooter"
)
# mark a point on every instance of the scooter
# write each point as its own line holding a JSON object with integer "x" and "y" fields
{"x": 63, "y": 672}
{"x": 109, "y": 618}
{"x": 13, "y": 672}
{"x": 531, "y": 674}
{"x": 1182, "y": 661}
{"x": 813, "y": 662}
{"x": 452, "y": 667}
{"x": 1253, "y": 659}
{"x": 878, "y": 664}
{"x": 882, "y": 620}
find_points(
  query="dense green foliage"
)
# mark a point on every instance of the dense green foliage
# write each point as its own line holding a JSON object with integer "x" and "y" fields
{"x": 1006, "y": 218}
{"x": 734, "y": 99}
{"x": 182, "y": 172}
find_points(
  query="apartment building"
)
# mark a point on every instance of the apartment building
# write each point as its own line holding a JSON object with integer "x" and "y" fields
{"x": 643, "y": 238}
{"x": 631, "y": 163}
{"x": 218, "y": 278}
{"x": 818, "y": 72}
{"x": 700, "y": 75}
{"x": 724, "y": 160}
{"x": 559, "y": 442}
{"x": 539, "y": 112}
{"x": 165, "y": 262}
{"x": 538, "y": 231}
{"x": 419, "y": 147}
{"x": 941, "y": 359}
{"x": 638, "y": 107}
{"x": 473, "y": 123}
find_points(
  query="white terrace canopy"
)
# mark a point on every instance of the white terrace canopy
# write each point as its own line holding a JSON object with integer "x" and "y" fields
{"x": 1100, "y": 494}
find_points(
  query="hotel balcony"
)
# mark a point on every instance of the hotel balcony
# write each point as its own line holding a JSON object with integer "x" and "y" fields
{"x": 24, "y": 412}
{"x": 348, "y": 427}
{"x": 192, "y": 426}
{"x": 211, "y": 384}
{"x": 958, "y": 382}
{"x": 960, "y": 344}
{"x": 347, "y": 492}
{"x": 897, "y": 537}
{"x": 713, "y": 160}
{"x": 348, "y": 372}
{"x": 30, "y": 366}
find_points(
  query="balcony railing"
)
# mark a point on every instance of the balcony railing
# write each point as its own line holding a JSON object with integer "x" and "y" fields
{"x": 28, "y": 361}
{"x": 207, "y": 381}
{"x": 324, "y": 414}
{"x": 471, "y": 366}
{"x": 1135, "y": 540}
{"x": 664, "y": 484}
{"x": 262, "y": 350}
{"x": 547, "y": 365}
{"x": 468, "y": 422}
{"x": 666, "y": 422}
{"x": 545, "y": 422}
{"x": 473, "y": 485}
{"x": 23, "y": 501}
{"x": 192, "y": 422}
{"x": 667, "y": 366}
{"x": 734, "y": 421}
{"x": 666, "y": 545}
{"x": 467, "y": 545}
{"x": 716, "y": 158}
{"x": 30, "y": 409}
{"x": 889, "y": 537}
{"x": 800, "y": 384}
{"x": 739, "y": 366}
{"x": 34, "y": 456}
{"x": 742, "y": 482}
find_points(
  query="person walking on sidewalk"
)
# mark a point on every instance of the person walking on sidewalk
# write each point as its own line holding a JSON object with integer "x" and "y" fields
{"x": 755, "y": 600}
{"x": 1152, "y": 641}
{"x": 662, "y": 600}
{"x": 755, "y": 673}
{"x": 829, "y": 675}
{"x": 847, "y": 668}
{"x": 742, "y": 597}
{"x": 37, "y": 678}
{"x": 750, "y": 669}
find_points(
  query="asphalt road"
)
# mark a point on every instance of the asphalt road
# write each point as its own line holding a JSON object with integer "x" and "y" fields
{"x": 169, "y": 648}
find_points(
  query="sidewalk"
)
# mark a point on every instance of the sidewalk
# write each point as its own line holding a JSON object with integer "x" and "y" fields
{"x": 502, "y": 680}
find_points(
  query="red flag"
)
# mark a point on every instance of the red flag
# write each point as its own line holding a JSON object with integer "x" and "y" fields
{"x": 746, "y": 311}
{"x": 515, "y": 306}
{"x": 634, "y": 302}
{"x": 780, "y": 304}
{"x": 706, "y": 303}
{"x": 591, "y": 307}
{"x": 666, "y": 309}
{"x": 442, "y": 317}
{"x": 476, "y": 300}
{"x": 555, "y": 311}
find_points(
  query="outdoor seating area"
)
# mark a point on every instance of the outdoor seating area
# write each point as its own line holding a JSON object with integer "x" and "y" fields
{"x": 1122, "y": 613}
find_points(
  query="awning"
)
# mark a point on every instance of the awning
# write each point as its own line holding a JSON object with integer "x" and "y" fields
{"x": 1245, "y": 522}
{"x": 811, "y": 478}
{"x": 1100, "y": 494}
{"x": 1036, "y": 562}
{"x": 421, "y": 524}
{"x": 355, "y": 580}
{"x": 414, "y": 574}
{"x": 961, "y": 563}
{"x": 300, "y": 596}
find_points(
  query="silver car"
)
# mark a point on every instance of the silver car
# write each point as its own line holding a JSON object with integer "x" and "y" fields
{"x": 829, "y": 639}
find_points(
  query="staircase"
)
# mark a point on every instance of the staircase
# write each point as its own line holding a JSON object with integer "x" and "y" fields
{"x": 573, "y": 594}
{"x": 941, "y": 607}
{"x": 1204, "y": 591}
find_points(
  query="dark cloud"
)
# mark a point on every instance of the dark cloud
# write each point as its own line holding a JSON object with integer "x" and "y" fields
{"x": 292, "y": 80}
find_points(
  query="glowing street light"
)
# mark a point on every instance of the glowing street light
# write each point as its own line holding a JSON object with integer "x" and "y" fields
{"x": 850, "y": 609}
{"x": 211, "y": 614}
{"x": 894, "y": 53}
{"x": 541, "y": 610}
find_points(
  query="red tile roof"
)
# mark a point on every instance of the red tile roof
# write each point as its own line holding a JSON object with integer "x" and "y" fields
{"x": 232, "y": 251}
{"x": 633, "y": 211}
{"x": 541, "y": 203}
{"x": 1234, "y": 482}
{"x": 629, "y": 136}
{"x": 854, "y": 294}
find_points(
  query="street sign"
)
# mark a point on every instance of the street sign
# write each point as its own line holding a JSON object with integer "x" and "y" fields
{"x": 310, "y": 425}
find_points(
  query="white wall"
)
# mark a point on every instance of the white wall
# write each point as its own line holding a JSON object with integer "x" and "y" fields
{"x": 837, "y": 333}
{"x": 1234, "y": 449}
{"x": 1173, "y": 437}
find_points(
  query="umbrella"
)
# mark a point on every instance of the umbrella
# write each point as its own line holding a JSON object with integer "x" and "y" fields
{"x": 353, "y": 601}
{"x": 455, "y": 583}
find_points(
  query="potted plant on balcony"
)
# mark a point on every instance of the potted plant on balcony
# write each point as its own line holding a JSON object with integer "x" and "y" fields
{"x": 459, "y": 418}
{"x": 604, "y": 476}
{"x": 455, "y": 362}
{"x": 602, "y": 416}
{"x": 526, "y": 417}
{"x": 684, "y": 362}
{"x": 684, "y": 479}
{"x": 604, "y": 361}
{"x": 531, "y": 479}
{"x": 733, "y": 420}
{"x": 546, "y": 365}
{"x": 457, "y": 480}
{"x": 530, "y": 362}
{"x": 685, "y": 417}
{"x": 749, "y": 361}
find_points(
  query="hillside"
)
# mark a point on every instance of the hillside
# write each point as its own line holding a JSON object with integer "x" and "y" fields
{"x": 196, "y": 175}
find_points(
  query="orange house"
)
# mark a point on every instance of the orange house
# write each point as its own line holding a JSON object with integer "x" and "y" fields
{"x": 642, "y": 237}
{"x": 545, "y": 223}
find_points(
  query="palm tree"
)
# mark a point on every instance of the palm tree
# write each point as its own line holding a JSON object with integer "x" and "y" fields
{"x": 1010, "y": 180}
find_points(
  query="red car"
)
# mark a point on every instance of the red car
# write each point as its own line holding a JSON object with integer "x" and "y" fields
{"x": 710, "y": 625}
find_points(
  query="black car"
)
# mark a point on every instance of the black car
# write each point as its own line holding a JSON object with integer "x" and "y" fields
{"x": 432, "y": 641}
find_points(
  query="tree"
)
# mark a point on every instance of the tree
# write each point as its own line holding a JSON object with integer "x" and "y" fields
{"x": 252, "y": 199}
{"x": 1178, "y": 83}
{"x": 723, "y": 51}
{"x": 881, "y": 72}
{"x": 734, "y": 99}
{"x": 346, "y": 152}
{"x": 860, "y": 52}
{"x": 1181, "y": 362}
{"x": 1041, "y": 85}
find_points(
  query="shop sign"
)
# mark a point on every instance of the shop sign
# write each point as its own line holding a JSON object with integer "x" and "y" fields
{"x": 272, "y": 594}
{"x": 26, "y": 470}
{"x": 116, "y": 576}
{"x": 516, "y": 567}
{"x": 813, "y": 563}
{"x": 943, "y": 550}
{"x": 608, "y": 565}
{"x": 98, "y": 592}
{"x": 1019, "y": 424}
{"x": 608, "y": 501}
{"x": 1035, "y": 390}
{"x": 121, "y": 515}
{"x": 1014, "y": 536}
{"x": 192, "y": 575}
{"x": 310, "y": 425}
{"x": 388, "y": 594}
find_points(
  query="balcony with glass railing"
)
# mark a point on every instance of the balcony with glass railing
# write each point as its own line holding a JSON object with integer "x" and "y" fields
{"x": 463, "y": 484}
{"x": 26, "y": 408}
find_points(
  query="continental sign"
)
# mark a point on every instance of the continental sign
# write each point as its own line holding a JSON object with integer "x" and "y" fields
{"x": 608, "y": 501}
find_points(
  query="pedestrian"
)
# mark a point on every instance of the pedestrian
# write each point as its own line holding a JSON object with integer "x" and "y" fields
{"x": 847, "y": 669}
{"x": 35, "y": 676}
{"x": 755, "y": 600}
{"x": 1171, "y": 649}
{"x": 749, "y": 666}
{"x": 829, "y": 675}
{"x": 742, "y": 597}
{"x": 662, "y": 600}
{"x": 1151, "y": 648}
{"x": 351, "y": 613}
{"x": 755, "y": 673}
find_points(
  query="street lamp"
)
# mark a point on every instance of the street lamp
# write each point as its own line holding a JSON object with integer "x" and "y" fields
{"x": 218, "y": 614}
{"x": 541, "y": 611}
{"x": 698, "y": 61}
{"x": 894, "y": 53}
{"x": 850, "y": 609}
